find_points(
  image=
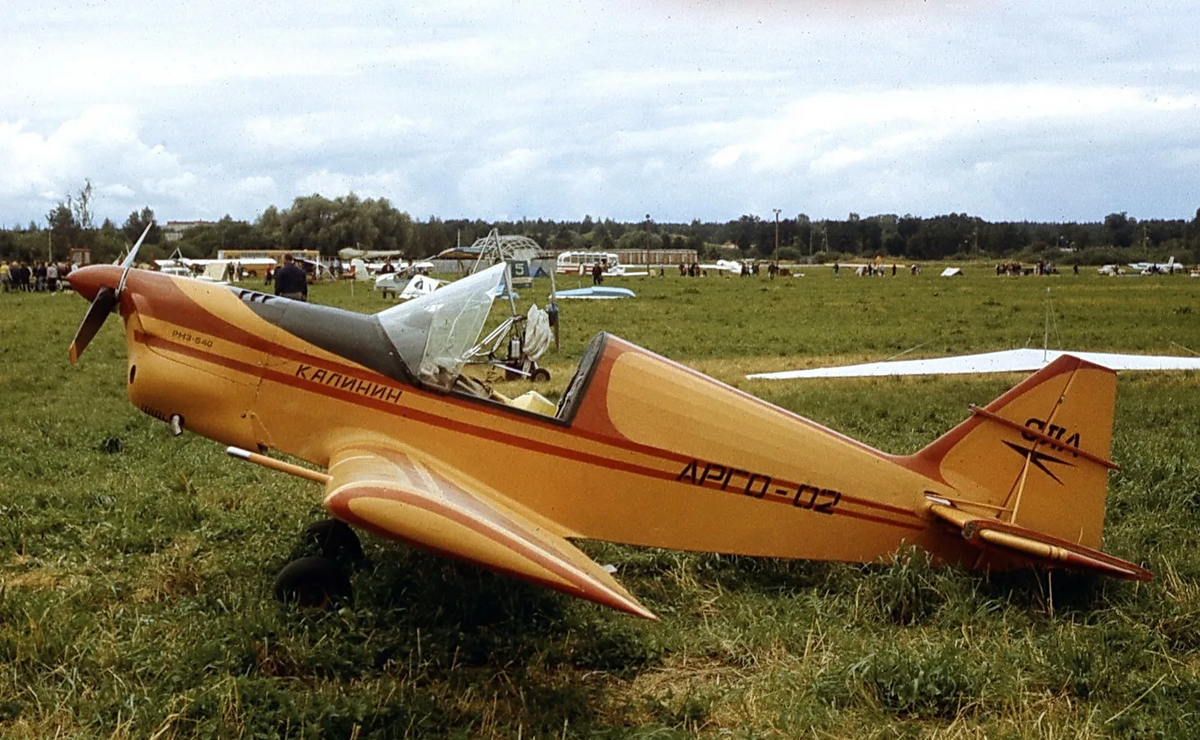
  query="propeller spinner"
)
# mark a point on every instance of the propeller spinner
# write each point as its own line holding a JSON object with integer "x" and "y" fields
{"x": 102, "y": 305}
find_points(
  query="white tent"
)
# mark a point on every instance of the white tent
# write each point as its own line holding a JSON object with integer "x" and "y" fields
{"x": 952, "y": 272}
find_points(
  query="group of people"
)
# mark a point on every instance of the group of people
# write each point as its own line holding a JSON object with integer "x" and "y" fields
{"x": 1041, "y": 267}
{"x": 876, "y": 270}
{"x": 45, "y": 277}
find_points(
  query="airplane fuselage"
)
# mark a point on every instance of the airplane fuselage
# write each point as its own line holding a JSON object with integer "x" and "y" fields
{"x": 643, "y": 451}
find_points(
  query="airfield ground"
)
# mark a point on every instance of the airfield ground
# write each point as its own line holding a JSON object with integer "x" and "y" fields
{"x": 135, "y": 568}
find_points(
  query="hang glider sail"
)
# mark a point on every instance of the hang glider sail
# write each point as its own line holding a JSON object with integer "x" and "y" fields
{"x": 1006, "y": 361}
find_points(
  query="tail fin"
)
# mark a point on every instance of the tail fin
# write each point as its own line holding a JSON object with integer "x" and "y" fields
{"x": 1037, "y": 456}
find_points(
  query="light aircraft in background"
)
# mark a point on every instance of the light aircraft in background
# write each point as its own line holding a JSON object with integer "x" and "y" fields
{"x": 581, "y": 263}
{"x": 733, "y": 267}
{"x": 360, "y": 269}
{"x": 1158, "y": 268}
{"x": 216, "y": 270}
{"x": 315, "y": 269}
{"x": 348, "y": 253}
{"x": 414, "y": 287}
{"x": 639, "y": 450}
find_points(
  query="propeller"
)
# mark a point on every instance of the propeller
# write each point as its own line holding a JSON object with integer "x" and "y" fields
{"x": 102, "y": 305}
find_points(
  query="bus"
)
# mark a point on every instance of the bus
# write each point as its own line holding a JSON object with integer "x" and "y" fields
{"x": 580, "y": 263}
{"x": 237, "y": 255}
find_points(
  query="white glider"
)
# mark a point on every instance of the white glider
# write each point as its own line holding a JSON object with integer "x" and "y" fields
{"x": 1006, "y": 361}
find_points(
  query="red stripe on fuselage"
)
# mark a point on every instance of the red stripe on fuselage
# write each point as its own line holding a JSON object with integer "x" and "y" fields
{"x": 466, "y": 428}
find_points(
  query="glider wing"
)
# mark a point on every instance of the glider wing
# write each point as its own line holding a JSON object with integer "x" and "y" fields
{"x": 403, "y": 494}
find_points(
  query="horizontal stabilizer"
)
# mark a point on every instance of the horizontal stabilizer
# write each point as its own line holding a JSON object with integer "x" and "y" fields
{"x": 403, "y": 494}
{"x": 1035, "y": 547}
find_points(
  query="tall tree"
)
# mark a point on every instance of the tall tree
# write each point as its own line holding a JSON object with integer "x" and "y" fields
{"x": 137, "y": 223}
{"x": 1120, "y": 228}
{"x": 64, "y": 231}
{"x": 82, "y": 207}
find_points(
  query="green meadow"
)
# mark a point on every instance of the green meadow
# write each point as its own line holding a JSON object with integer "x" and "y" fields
{"x": 136, "y": 568}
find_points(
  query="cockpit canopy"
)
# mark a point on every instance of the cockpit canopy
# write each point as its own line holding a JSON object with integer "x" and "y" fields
{"x": 433, "y": 333}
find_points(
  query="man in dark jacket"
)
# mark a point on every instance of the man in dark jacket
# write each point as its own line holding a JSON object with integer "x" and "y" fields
{"x": 290, "y": 280}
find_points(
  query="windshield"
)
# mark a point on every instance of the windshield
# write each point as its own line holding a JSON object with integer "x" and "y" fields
{"x": 433, "y": 333}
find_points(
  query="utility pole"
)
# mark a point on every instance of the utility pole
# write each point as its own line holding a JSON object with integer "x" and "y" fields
{"x": 776, "y": 259}
{"x": 647, "y": 241}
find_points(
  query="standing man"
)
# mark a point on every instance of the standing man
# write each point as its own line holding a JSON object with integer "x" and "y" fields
{"x": 290, "y": 280}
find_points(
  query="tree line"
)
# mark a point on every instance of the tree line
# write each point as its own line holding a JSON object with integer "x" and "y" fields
{"x": 327, "y": 225}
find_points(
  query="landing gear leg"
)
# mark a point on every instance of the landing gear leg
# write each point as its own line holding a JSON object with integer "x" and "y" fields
{"x": 334, "y": 539}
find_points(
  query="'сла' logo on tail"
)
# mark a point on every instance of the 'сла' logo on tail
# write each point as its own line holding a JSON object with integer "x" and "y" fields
{"x": 1039, "y": 459}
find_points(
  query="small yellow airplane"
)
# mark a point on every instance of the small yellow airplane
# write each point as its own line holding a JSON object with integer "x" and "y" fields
{"x": 639, "y": 450}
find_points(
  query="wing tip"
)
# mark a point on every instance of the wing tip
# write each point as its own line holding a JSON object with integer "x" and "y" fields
{"x": 621, "y": 602}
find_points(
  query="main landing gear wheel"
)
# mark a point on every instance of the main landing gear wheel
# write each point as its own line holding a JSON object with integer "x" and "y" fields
{"x": 540, "y": 375}
{"x": 320, "y": 579}
{"x": 335, "y": 540}
{"x": 313, "y": 582}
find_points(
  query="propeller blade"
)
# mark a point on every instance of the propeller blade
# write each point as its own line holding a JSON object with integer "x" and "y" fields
{"x": 128, "y": 263}
{"x": 106, "y": 301}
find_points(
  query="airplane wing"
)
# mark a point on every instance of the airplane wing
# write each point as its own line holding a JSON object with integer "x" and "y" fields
{"x": 404, "y": 494}
{"x": 1005, "y": 361}
{"x": 1014, "y": 540}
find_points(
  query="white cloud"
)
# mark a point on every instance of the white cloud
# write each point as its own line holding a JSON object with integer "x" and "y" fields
{"x": 102, "y": 144}
{"x": 379, "y": 184}
{"x": 258, "y": 188}
{"x": 485, "y": 108}
{"x": 827, "y": 132}
{"x": 309, "y": 132}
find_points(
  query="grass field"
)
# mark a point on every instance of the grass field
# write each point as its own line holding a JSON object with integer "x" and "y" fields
{"x": 136, "y": 568}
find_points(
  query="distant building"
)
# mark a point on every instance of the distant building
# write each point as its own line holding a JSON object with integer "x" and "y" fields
{"x": 173, "y": 231}
{"x": 656, "y": 257}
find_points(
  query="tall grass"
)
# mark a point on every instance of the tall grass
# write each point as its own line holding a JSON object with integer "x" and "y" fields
{"x": 135, "y": 569}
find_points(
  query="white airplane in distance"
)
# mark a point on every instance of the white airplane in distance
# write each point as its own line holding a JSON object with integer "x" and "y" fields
{"x": 1158, "y": 268}
{"x": 733, "y": 267}
{"x": 348, "y": 253}
{"x": 215, "y": 270}
{"x": 417, "y": 285}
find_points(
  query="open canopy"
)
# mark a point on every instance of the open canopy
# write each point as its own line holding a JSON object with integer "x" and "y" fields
{"x": 433, "y": 333}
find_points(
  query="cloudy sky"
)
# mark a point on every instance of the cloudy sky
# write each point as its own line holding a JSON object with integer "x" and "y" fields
{"x": 615, "y": 109}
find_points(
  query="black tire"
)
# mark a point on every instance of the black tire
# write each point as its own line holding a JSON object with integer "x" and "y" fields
{"x": 334, "y": 539}
{"x": 540, "y": 375}
{"x": 315, "y": 583}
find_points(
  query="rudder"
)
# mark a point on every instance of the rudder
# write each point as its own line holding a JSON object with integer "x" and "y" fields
{"x": 1037, "y": 456}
